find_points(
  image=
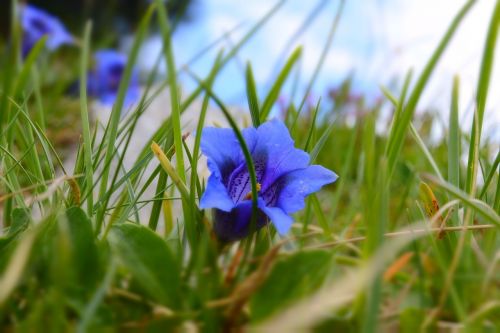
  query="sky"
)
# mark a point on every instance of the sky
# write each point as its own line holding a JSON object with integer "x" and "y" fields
{"x": 376, "y": 42}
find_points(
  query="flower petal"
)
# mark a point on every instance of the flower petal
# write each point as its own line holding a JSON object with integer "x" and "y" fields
{"x": 281, "y": 220}
{"x": 298, "y": 184}
{"x": 215, "y": 195}
{"x": 234, "y": 225}
{"x": 276, "y": 147}
{"x": 37, "y": 23}
{"x": 223, "y": 149}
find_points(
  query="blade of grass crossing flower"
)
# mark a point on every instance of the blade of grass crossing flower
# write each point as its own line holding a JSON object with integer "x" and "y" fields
{"x": 395, "y": 142}
{"x": 117, "y": 108}
{"x": 84, "y": 113}
{"x": 253, "y": 99}
{"x": 481, "y": 97}
{"x": 241, "y": 140}
{"x": 273, "y": 93}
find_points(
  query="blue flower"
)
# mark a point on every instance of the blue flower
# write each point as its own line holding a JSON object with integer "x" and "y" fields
{"x": 283, "y": 173}
{"x": 104, "y": 79}
{"x": 37, "y": 23}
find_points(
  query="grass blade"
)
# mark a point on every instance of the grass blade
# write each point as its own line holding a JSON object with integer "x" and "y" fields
{"x": 481, "y": 97}
{"x": 253, "y": 99}
{"x": 273, "y": 94}
{"x": 87, "y": 144}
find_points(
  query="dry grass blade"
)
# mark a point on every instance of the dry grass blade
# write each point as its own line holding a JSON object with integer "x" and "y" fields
{"x": 12, "y": 274}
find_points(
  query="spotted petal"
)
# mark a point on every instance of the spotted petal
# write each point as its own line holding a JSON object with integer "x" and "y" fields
{"x": 223, "y": 149}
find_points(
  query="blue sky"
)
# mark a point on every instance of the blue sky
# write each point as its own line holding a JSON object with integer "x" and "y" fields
{"x": 377, "y": 41}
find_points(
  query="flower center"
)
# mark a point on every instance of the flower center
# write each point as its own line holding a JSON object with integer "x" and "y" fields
{"x": 249, "y": 194}
{"x": 239, "y": 182}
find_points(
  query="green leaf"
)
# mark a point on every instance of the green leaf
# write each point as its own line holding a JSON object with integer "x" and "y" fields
{"x": 20, "y": 220}
{"x": 84, "y": 249}
{"x": 292, "y": 278}
{"x": 148, "y": 258}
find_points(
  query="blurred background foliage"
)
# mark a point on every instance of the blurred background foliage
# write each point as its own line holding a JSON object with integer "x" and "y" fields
{"x": 111, "y": 19}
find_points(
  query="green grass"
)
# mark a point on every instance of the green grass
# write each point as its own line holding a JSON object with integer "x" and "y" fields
{"x": 407, "y": 238}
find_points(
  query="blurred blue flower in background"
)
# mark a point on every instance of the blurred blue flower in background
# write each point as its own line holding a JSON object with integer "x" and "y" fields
{"x": 283, "y": 174}
{"x": 104, "y": 79}
{"x": 37, "y": 23}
